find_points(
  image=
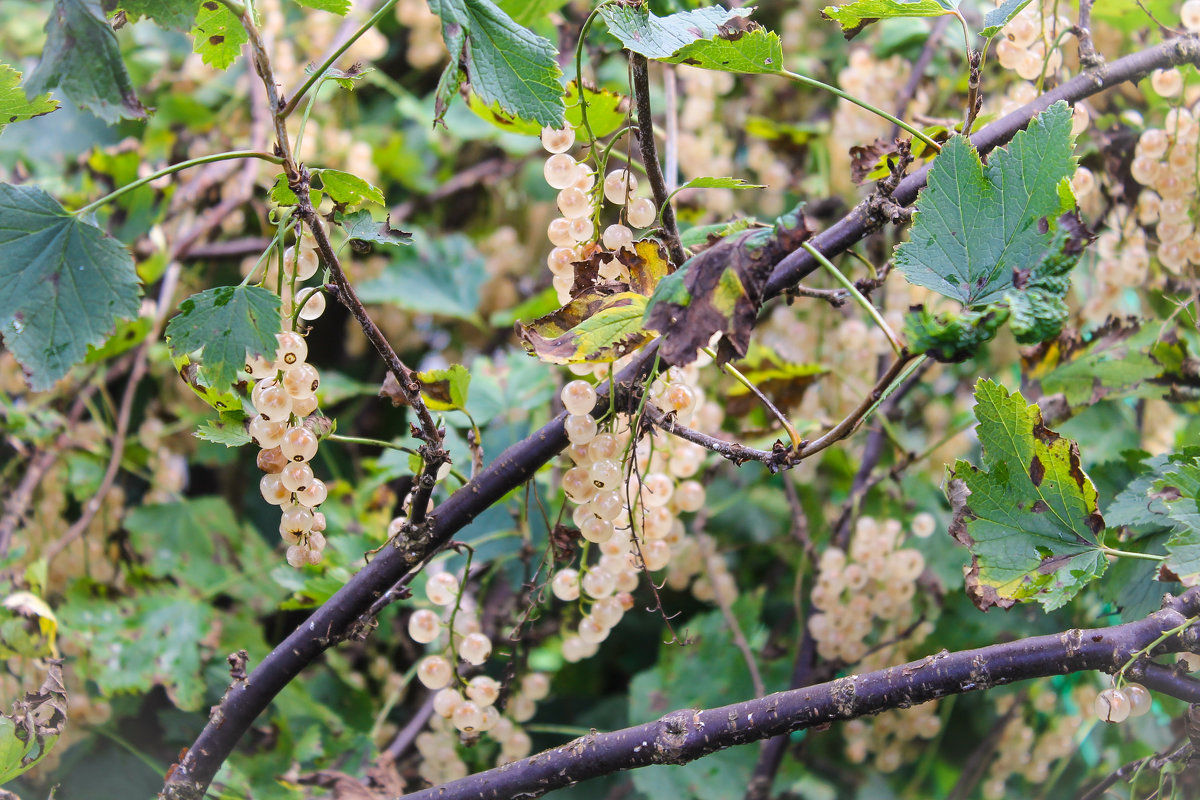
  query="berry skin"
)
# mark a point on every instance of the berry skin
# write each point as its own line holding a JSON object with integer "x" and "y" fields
{"x": 273, "y": 490}
{"x": 271, "y": 401}
{"x": 299, "y": 444}
{"x": 291, "y": 351}
{"x": 475, "y": 648}
{"x": 617, "y": 236}
{"x": 315, "y": 494}
{"x": 581, "y": 428}
{"x": 560, "y": 171}
{"x": 618, "y": 184}
{"x": 424, "y": 626}
{"x": 272, "y": 460}
{"x": 558, "y": 140}
{"x": 641, "y": 212}
{"x": 301, "y": 382}
{"x": 445, "y": 701}
{"x": 559, "y": 232}
{"x": 434, "y": 672}
{"x": 312, "y": 303}
{"x": 1139, "y": 699}
{"x": 1112, "y": 705}
{"x": 565, "y": 585}
{"x": 467, "y": 717}
{"x": 258, "y": 367}
{"x": 296, "y": 476}
{"x": 265, "y": 433}
{"x": 535, "y": 686}
{"x": 483, "y": 690}
{"x": 442, "y": 589}
{"x": 578, "y": 397}
{"x": 573, "y": 203}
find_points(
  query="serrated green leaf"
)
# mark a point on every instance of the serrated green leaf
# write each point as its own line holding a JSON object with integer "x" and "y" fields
{"x": 594, "y": 327}
{"x": 225, "y": 324}
{"x": 14, "y": 104}
{"x": 642, "y": 31}
{"x": 362, "y": 227}
{"x": 445, "y": 389}
{"x": 976, "y": 224}
{"x": 505, "y": 63}
{"x": 952, "y": 336}
{"x": 853, "y": 17}
{"x": 282, "y": 194}
{"x": 607, "y": 110}
{"x": 1031, "y": 519}
{"x": 228, "y": 429}
{"x": 437, "y": 275}
{"x": 339, "y": 7}
{"x": 1179, "y": 490}
{"x": 66, "y": 283}
{"x": 348, "y": 189}
{"x": 1000, "y": 16}
{"x": 218, "y": 35}
{"x": 1139, "y": 506}
{"x": 177, "y": 15}
{"x": 176, "y": 539}
{"x": 83, "y": 60}
{"x": 719, "y": 183}
{"x": 756, "y": 51}
{"x": 223, "y": 400}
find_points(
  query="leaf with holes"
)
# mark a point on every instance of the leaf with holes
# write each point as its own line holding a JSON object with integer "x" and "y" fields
{"x": 360, "y": 226}
{"x": 32, "y": 725}
{"x": 218, "y": 34}
{"x": 1030, "y": 518}
{"x": 66, "y": 283}
{"x": 15, "y": 105}
{"x": 642, "y": 31}
{"x": 83, "y": 60}
{"x": 594, "y": 327}
{"x": 505, "y": 63}
{"x": 978, "y": 227}
{"x": 225, "y": 324}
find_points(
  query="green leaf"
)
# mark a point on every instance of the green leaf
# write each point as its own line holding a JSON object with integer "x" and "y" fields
{"x": 360, "y": 226}
{"x": 607, "y": 110}
{"x": 348, "y": 189}
{"x": 228, "y": 429}
{"x": 855, "y": 16}
{"x": 226, "y": 324}
{"x": 505, "y": 63}
{"x": 976, "y": 224}
{"x": 222, "y": 399}
{"x": 129, "y": 334}
{"x": 1139, "y": 505}
{"x": 14, "y": 104}
{"x": 1000, "y": 16}
{"x": 1030, "y": 520}
{"x": 720, "y": 291}
{"x": 952, "y": 336}
{"x": 656, "y": 37}
{"x": 594, "y": 327}
{"x": 693, "y": 238}
{"x": 1179, "y": 490}
{"x": 282, "y": 194}
{"x": 528, "y": 12}
{"x": 719, "y": 183}
{"x": 218, "y": 35}
{"x": 65, "y": 282}
{"x": 751, "y": 51}
{"x": 176, "y": 539}
{"x": 509, "y": 123}
{"x": 436, "y": 276}
{"x": 1121, "y": 358}
{"x": 83, "y": 60}
{"x": 445, "y": 389}
{"x": 177, "y": 15}
{"x": 33, "y": 724}
{"x": 339, "y": 7}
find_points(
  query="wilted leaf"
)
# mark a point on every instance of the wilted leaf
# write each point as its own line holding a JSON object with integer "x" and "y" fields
{"x": 66, "y": 283}
{"x": 866, "y": 159}
{"x": 720, "y": 290}
{"x": 509, "y": 123}
{"x": 223, "y": 400}
{"x": 785, "y": 384}
{"x": 1139, "y": 505}
{"x": 225, "y": 324}
{"x": 445, "y": 389}
{"x": 33, "y": 724}
{"x": 1031, "y": 520}
{"x": 29, "y": 627}
{"x": 83, "y": 60}
{"x": 594, "y": 327}
{"x": 14, "y": 104}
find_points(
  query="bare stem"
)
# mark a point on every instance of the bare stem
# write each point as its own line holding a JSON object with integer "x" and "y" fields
{"x": 654, "y": 174}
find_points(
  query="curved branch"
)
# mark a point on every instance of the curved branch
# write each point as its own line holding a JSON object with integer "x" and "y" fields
{"x": 686, "y": 735}
{"x": 336, "y": 618}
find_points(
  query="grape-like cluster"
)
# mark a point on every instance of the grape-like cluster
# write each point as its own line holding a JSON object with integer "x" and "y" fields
{"x": 465, "y": 705}
{"x": 1023, "y": 47}
{"x": 1026, "y": 752}
{"x": 285, "y": 427}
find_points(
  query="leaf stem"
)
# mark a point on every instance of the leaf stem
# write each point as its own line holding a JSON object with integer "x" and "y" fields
{"x": 319, "y": 72}
{"x": 797, "y": 442}
{"x": 1109, "y": 551}
{"x": 798, "y": 78}
{"x": 866, "y": 304}
{"x": 182, "y": 165}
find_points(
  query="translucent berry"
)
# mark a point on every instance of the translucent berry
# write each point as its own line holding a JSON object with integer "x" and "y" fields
{"x": 442, "y": 589}
{"x": 560, "y": 170}
{"x": 303, "y": 406}
{"x": 596, "y": 530}
{"x": 424, "y": 626}
{"x": 923, "y": 525}
{"x": 1189, "y": 15}
{"x": 271, "y": 460}
{"x": 1139, "y": 699}
{"x": 475, "y": 648}
{"x": 258, "y": 367}
{"x": 292, "y": 350}
{"x": 1166, "y": 82}
{"x": 467, "y": 717}
{"x": 535, "y": 686}
{"x": 445, "y": 701}
{"x": 617, "y": 236}
{"x": 581, "y": 229}
{"x": 265, "y": 433}
{"x": 297, "y": 556}
{"x": 560, "y": 262}
{"x": 483, "y": 690}
{"x": 689, "y": 496}
{"x": 299, "y": 444}
{"x": 574, "y": 203}
{"x": 641, "y": 212}
{"x": 434, "y": 672}
{"x": 273, "y": 490}
{"x": 581, "y": 428}
{"x": 314, "y": 556}
{"x": 301, "y": 381}
{"x": 1112, "y": 705}
{"x": 559, "y": 232}
{"x": 599, "y": 583}
{"x": 578, "y": 397}
{"x": 297, "y": 519}
{"x": 591, "y": 631}
{"x": 558, "y": 140}
{"x": 312, "y": 303}
{"x": 314, "y": 494}
{"x": 296, "y": 476}
{"x": 271, "y": 400}
{"x": 618, "y": 184}
{"x": 565, "y": 585}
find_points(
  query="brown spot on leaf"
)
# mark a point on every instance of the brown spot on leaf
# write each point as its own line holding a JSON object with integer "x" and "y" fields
{"x": 865, "y": 158}
{"x": 1037, "y": 471}
{"x": 216, "y": 39}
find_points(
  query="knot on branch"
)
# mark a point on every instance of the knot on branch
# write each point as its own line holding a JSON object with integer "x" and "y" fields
{"x": 672, "y": 736}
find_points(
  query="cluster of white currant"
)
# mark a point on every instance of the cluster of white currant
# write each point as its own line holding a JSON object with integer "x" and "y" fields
{"x": 1023, "y": 46}
{"x": 465, "y": 705}
{"x": 574, "y": 233}
{"x": 877, "y": 580}
{"x": 285, "y": 397}
{"x": 1165, "y": 163}
{"x": 893, "y": 737}
{"x": 1025, "y": 752}
{"x": 1118, "y": 704}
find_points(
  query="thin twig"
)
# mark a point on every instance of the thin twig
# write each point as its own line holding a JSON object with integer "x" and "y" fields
{"x": 1089, "y": 58}
{"x": 658, "y": 184}
{"x": 1129, "y": 771}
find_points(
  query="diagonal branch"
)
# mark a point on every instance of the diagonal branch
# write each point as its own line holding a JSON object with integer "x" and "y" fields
{"x": 686, "y": 735}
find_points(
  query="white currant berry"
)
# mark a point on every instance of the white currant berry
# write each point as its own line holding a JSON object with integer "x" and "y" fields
{"x": 565, "y": 585}
{"x": 617, "y": 236}
{"x": 489, "y": 718}
{"x": 1140, "y": 699}
{"x": 535, "y": 686}
{"x": 442, "y": 589}
{"x": 424, "y": 626}
{"x": 559, "y": 170}
{"x": 558, "y": 140}
{"x": 689, "y": 496}
{"x": 266, "y": 433}
{"x": 319, "y": 521}
{"x": 1112, "y": 705}
{"x": 657, "y": 489}
{"x": 561, "y": 262}
{"x": 303, "y": 406}
{"x": 574, "y": 203}
{"x": 578, "y": 485}
{"x": 618, "y": 184}
{"x": 559, "y": 232}
{"x": 312, "y": 303}
{"x": 656, "y": 554}
{"x": 305, "y": 266}
{"x": 475, "y": 648}
{"x": 434, "y": 672}
{"x": 581, "y": 229}
{"x": 483, "y": 690}
{"x": 467, "y": 717}
{"x": 316, "y": 541}
{"x": 271, "y": 400}
{"x": 599, "y": 583}
{"x": 1189, "y": 15}
{"x": 1166, "y": 82}
{"x": 297, "y": 518}
{"x": 296, "y": 476}
{"x": 271, "y": 460}
{"x": 923, "y": 525}
{"x": 258, "y": 367}
{"x": 605, "y": 474}
{"x": 314, "y": 556}
{"x": 301, "y": 381}
{"x": 314, "y": 494}
{"x": 445, "y": 701}
{"x": 578, "y": 397}
{"x": 297, "y": 556}
{"x": 607, "y": 505}
{"x": 591, "y": 631}
{"x": 607, "y": 612}
{"x": 581, "y": 428}
{"x": 272, "y": 489}
{"x": 641, "y": 212}
{"x": 596, "y": 530}
{"x": 585, "y": 179}
{"x": 292, "y": 350}
{"x": 299, "y": 444}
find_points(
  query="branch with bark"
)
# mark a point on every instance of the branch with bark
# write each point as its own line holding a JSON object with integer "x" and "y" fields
{"x": 686, "y": 735}
{"x": 337, "y": 617}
